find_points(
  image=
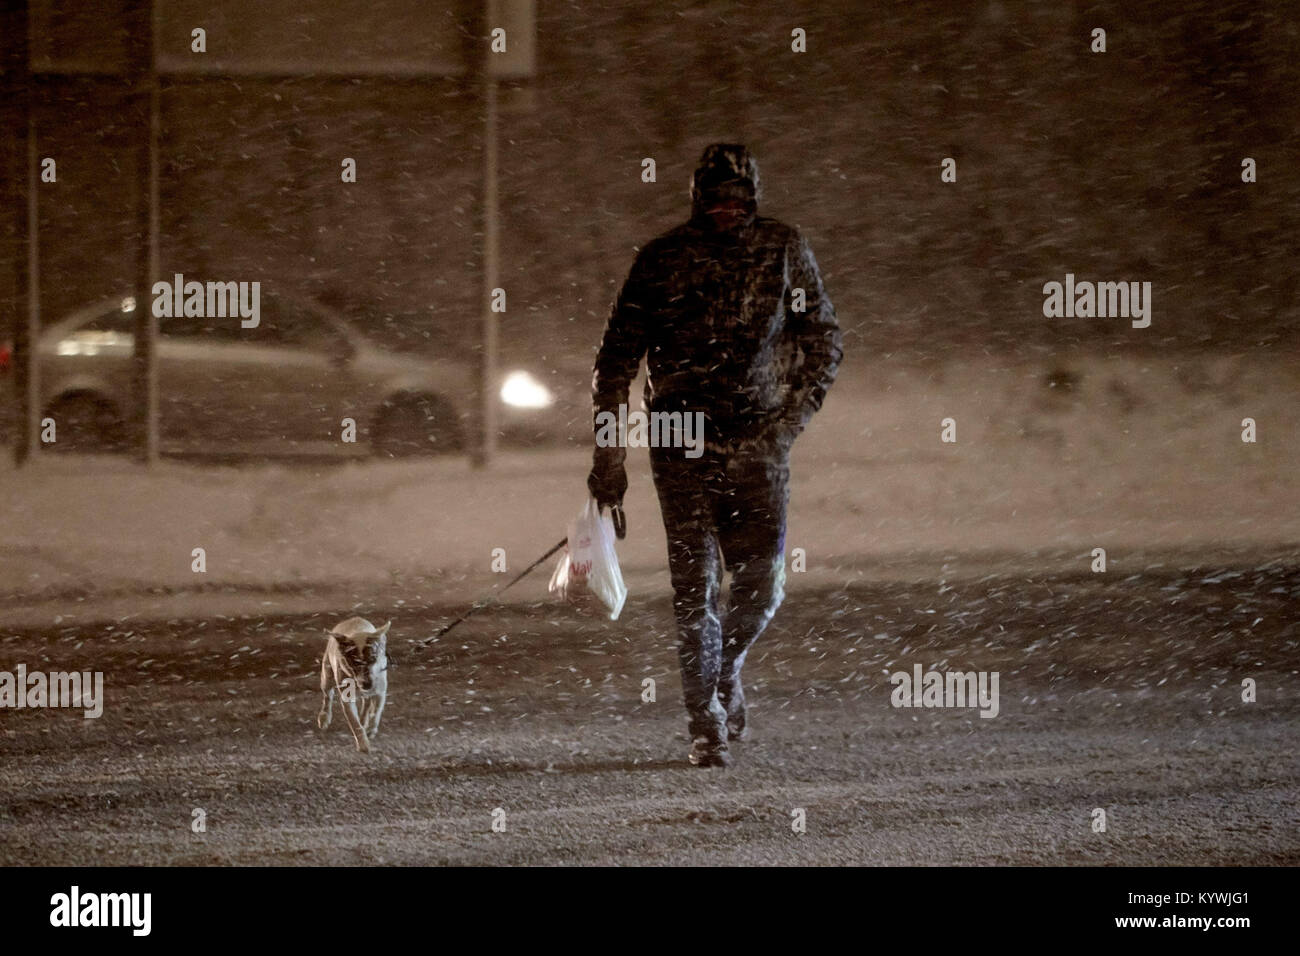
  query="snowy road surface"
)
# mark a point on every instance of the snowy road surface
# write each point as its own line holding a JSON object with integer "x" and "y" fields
{"x": 1121, "y": 692}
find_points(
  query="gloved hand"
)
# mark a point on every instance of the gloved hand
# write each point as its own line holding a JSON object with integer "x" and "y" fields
{"x": 608, "y": 479}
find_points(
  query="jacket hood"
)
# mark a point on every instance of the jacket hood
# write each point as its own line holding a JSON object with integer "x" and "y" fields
{"x": 726, "y": 171}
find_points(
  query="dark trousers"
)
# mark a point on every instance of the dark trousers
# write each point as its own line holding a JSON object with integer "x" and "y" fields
{"x": 722, "y": 510}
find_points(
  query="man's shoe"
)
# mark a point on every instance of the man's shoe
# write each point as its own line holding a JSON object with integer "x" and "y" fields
{"x": 737, "y": 716}
{"x": 707, "y": 752}
{"x": 708, "y": 731}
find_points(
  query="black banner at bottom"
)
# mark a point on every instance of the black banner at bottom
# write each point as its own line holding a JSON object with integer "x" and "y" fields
{"x": 345, "y": 904}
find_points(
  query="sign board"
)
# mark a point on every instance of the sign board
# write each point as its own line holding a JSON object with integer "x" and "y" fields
{"x": 390, "y": 38}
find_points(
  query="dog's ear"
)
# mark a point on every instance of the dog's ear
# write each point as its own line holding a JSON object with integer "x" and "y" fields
{"x": 381, "y": 632}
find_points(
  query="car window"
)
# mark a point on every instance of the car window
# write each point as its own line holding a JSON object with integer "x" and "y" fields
{"x": 281, "y": 322}
{"x": 201, "y": 328}
{"x": 292, "y": 325}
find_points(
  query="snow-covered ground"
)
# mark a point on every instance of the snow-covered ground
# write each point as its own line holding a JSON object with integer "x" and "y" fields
{"x": 1053, "y": 458}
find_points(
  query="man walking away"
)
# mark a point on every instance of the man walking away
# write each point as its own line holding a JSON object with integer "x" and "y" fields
{"x": 730, "y": 312}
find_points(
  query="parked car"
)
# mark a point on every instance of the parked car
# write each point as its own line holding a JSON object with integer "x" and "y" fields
{"x": 284, "y": 387}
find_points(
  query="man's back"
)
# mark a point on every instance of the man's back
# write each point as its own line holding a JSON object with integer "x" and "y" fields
{"x": 717, "y": 317}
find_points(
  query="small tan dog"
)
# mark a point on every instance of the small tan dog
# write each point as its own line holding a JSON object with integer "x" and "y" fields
{"x": 355, "y": 667}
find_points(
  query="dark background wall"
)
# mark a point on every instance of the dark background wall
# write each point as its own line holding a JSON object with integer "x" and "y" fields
{"x": 1115, "y": 166}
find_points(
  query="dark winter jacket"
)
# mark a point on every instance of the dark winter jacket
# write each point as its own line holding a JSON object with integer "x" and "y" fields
{"x": 716, "y": 314}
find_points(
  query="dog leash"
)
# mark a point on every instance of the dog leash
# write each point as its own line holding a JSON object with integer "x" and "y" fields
{"x": 620, "y": 531}
{"x": 495, "y": 597}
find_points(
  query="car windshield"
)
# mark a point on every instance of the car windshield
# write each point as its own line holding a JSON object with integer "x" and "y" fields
{"x": 118, "y": 317}
{"x": 109, "y": 329}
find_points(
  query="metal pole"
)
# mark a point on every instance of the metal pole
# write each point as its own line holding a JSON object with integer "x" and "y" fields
{"x": 487, "y": 444}
{"x": 27, "y": 341}
{"x": 148, "y": 265}
{"x": 27, "y": 329}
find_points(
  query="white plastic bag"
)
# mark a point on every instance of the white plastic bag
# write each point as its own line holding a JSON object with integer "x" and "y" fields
{"x": 589, "y": 567}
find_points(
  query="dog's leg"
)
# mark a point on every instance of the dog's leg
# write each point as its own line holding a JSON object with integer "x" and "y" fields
{"x": 326, "y": 709}
{"x": 365, "y": 709}
{"x": 354, "y": 721}
{"x": 378, "y": 698}
{"x": 377, "y": 711}
{"x": 327, "y": 695}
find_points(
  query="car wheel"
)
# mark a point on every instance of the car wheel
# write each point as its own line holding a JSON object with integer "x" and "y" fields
{"x": 417, "y": 425}
{"x": 86, "y": 423}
